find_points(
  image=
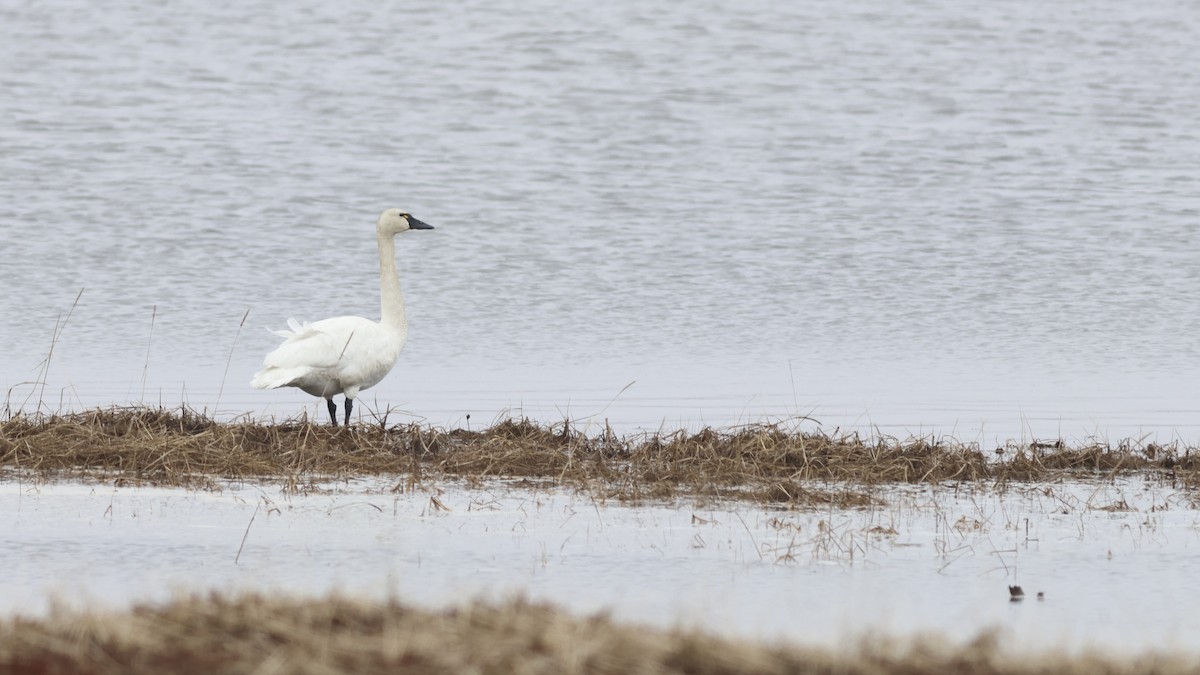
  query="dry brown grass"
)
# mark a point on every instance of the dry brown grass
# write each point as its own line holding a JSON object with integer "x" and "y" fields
{"x": 761, "y": 462}
{"x": 257, "y": 634}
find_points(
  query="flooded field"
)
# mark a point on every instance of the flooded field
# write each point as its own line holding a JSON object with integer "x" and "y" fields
{"x": 855, "y": 549}
{"x": 1109, "y": 556}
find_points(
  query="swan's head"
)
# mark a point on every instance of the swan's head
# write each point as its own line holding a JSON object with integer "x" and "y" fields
{"x": 395, "y": 221}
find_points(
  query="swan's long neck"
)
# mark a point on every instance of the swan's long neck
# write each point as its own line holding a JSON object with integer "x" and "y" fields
{"x": 390, "y": 297}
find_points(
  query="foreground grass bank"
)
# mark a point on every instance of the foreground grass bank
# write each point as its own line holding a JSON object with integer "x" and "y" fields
{"x": 761, "y": 462}
{"x": 257, "y": 634}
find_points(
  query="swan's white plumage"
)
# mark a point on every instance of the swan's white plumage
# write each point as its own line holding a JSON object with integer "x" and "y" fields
{"x": 342, "y": 355}
{"x": 346, "y": 354}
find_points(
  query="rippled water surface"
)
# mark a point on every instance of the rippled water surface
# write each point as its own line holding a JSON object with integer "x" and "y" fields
{"x": 974, "y": 219}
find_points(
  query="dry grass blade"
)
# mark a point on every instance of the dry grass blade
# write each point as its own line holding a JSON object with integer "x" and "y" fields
{"x": 225, "y": 374}
{"x": 44, "y": 372}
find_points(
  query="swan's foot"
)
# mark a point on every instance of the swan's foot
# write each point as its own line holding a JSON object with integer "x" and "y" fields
{"x": 349, "y": 405}
{"x": 332, "y": 411}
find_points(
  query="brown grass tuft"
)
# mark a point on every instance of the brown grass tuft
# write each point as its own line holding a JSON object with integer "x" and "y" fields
{"x": 258, "y": 634}
{"x": 761, "y": 462}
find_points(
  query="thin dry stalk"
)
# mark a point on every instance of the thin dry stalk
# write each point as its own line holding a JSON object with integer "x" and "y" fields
{"x": 224, "y": 375}
{"x": 149, "y": 341}
{"x": 44, "y": 372}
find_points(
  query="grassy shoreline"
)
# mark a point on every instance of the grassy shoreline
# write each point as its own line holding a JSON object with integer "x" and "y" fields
{"x": 279, "y": 633}
{"x": 254, "y": 634}
{"x": 763, "y": 463}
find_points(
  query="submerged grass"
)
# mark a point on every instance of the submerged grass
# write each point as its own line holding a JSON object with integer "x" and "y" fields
{"x": 260, "y": 634}
{"x": 181, "y": 447}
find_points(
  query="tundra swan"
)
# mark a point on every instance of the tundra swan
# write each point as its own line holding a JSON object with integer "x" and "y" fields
{"x": 346, "y": 354}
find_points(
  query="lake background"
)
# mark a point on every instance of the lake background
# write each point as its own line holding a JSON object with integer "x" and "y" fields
{"x": 967, "y": 219}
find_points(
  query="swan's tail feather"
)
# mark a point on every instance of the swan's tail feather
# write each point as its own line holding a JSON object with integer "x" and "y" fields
{"x": 273, "y": 378}
{"x": 295, "y": 329}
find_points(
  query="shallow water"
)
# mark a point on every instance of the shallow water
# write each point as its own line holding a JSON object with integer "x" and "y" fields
{"x": 977, "y": 220}
{"x": 931, "y": 560}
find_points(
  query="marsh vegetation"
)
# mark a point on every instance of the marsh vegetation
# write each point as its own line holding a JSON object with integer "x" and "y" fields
{"x": 256, "y": 634}
{"x": 762, "y": 462}
{"x": 913, "y": 516}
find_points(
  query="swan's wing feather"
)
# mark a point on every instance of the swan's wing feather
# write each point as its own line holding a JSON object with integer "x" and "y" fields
{"x": 345, "y": 349}
{"x": 323, "y": 344}
{"x": 310, "y": 348}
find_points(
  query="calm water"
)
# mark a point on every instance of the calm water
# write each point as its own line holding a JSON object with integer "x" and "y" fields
{"x": 1119, "y": 580}
{"x": 974, "y": 219}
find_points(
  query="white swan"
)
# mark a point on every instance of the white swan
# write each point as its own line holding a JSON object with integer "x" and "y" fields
{"x": 346, "y": 354}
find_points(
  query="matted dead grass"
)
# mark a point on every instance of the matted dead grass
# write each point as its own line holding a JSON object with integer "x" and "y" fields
{"x": 761, "y": 462}
{"x": 260, "y": 634}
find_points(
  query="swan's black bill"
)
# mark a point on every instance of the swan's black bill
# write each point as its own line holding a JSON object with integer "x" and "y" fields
{"x": 414, "y": 224}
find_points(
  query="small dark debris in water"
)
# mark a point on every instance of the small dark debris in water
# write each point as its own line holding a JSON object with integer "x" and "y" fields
{"x": 1041, "y": 595}
{"x": 1015, "y": 594}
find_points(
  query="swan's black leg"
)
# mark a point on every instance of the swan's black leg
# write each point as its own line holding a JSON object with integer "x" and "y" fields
{"x": 332, "y": 411}
{"x": 349, "y": 405}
